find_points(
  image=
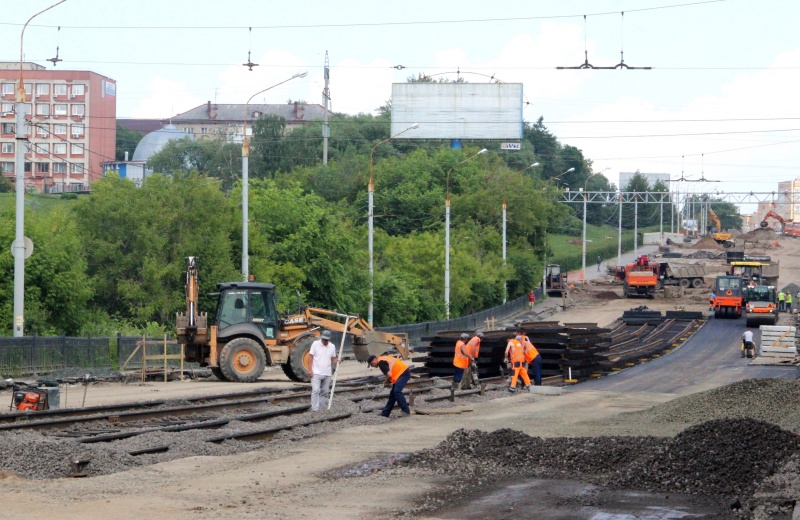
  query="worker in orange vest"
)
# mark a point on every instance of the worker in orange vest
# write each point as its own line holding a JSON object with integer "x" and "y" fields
{"x": 462, "y": 360}
{"x": 474, "y": 350}
{"x": 515, "y": 355}
{"x": 398, "y": 373}
{"x": 532, "y": 358}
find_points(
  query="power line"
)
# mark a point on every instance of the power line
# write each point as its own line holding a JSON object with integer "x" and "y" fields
{"x": 373, "y": 24}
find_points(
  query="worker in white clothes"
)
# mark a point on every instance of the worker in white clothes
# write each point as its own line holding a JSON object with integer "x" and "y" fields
{"x": 322, "y": 357}
{"x": 748, "y": 346}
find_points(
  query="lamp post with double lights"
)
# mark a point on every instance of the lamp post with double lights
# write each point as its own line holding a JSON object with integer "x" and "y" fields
{"x": 371, "y": 203}
{"x": 18, "y": 247}
{"x": 447, "y": 234}
{"x": 505, "y": 283}
{"x": 583, "y": 255}
{"x": 246, "y": 180}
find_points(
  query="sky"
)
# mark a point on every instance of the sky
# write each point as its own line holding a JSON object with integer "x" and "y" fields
{"x": 720, "y": 103}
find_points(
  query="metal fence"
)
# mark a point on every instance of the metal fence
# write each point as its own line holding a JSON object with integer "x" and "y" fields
{"x": 32, "y": 355}
{"x": 481, "y": 319}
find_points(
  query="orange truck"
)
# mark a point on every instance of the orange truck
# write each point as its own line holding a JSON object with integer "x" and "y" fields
{"x": 640, "y": 278}
{"x": 728, "y": 297}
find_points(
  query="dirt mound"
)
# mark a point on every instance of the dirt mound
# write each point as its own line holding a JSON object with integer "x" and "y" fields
{"x": 760, "y": 235}
{"x": 575, "y": 242}
{"x": 707, "y": 243}
{"x": 607, "y": 295}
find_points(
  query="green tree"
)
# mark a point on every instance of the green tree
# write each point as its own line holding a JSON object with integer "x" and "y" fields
{"x": 126, "y": 142}
{"x": 212, "y": 157}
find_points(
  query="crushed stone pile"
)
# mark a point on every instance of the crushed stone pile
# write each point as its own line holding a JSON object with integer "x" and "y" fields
{"x": 741, "y": 445}
{"x": 704, "y": 254}
{"x": 764, "y": 399}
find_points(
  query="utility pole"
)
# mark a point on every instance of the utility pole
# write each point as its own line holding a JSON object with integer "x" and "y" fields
{"x": 326, "y": 104}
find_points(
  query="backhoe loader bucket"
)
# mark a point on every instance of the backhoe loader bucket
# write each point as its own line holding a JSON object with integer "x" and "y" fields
{"x": 377, "y": 343}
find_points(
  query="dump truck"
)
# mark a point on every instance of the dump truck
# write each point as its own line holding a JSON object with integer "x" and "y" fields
{"x": 245, "y": 333}
{"x": 728, "y": 296}
{"x": 685, "y": 275}
{"x": 555, "y": 279}
{"x": 761, "y": 305}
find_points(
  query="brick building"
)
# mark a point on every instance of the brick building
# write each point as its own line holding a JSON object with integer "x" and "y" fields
{"x": 71, "y": 126}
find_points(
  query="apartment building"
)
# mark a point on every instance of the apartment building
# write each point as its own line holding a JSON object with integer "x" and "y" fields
{"x": 227, "y": 121}
{"x": 70, "y": 126}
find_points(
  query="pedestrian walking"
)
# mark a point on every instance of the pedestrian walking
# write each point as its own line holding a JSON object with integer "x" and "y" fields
{"x": 398, "y": 373}
{"x": 599, "y": 260}
{"x": 748, "y": 346}
{"x": 322, "y": 356}
{"x": 461, "y": 361}
{"x": 781, "y": 301}
{"x": 531, "y": 299}
{"x": 515, "y": 356}
{"x": 789, "y": 302}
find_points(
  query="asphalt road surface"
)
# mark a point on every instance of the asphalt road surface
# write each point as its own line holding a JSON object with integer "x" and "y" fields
{"x": 709, "y": 359}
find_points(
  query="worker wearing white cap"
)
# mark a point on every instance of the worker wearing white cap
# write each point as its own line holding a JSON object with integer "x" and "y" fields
{"x": 322, "y": 356}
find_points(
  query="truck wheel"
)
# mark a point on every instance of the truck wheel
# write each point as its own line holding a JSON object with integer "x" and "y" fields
{"x": 242, "y": 360}
{"x": 218, "y": 373}
{"x": 727, "y": 244}
{"x": 685, "y": 283}
{"x": 299, "y": 362}
{"x": 697, "y": 283}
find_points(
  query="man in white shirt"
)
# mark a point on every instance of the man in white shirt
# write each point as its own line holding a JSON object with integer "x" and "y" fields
{"x": 748, "y": 346}
{"x": 322, "y": 357}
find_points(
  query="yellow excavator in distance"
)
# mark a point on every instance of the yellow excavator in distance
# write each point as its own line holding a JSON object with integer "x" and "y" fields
{"x": 719, "y": 236}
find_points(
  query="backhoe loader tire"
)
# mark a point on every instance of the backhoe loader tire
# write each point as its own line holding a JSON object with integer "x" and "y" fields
{"x": 218, "y": 373}
{"x": 299, "y": 362}
{"x": 242, "y": 360}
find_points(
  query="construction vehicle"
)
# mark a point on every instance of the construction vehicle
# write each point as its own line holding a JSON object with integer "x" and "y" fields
{"x": 761, "y": 305}
{"x": 761, "y": 270}
{"x": 777, "y": 217}
{"x": 247, "y": 334}
{"x": 666, "y": 274}
{"x": 719, "y": 236}
{"x": 791, "y": 229}
{"x": 728, "y": 296}
{"x": 639, "y": 278}
{"x": 555, "y": 279}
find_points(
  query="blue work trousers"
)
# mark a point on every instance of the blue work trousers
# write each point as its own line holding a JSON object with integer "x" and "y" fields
{"x": 536, "y": 370}
{"x": 396, "y": 395}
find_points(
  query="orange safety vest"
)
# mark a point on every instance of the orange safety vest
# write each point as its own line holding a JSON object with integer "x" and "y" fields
{"x": 396, "y": 367}
{"x": 517, "y": 354}
{"x": 474, "y": 346}
{"x": 530, "y": 351}
{"x": 460, "y": 360}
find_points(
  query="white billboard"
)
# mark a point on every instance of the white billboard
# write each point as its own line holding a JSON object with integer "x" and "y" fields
{"x": 457, "y": 110}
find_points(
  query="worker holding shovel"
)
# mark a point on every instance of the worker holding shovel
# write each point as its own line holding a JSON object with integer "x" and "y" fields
{"x": 398, "y": 373}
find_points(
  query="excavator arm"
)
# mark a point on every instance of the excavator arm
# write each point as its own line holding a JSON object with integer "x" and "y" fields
{"x": 774, "y": 215}
{"x": 366, "y": 340}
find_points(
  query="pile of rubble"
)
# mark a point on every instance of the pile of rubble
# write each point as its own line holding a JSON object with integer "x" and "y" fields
{"x": 754, "y": 463}
{"x": 706, "y": 255}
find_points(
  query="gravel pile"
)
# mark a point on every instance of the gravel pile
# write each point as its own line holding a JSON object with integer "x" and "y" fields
{"x": 769, "y": 400}
{"x": 727, "y": 458}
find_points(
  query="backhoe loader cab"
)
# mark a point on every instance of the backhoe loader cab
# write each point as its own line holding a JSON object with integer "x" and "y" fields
{"x": 246, "y": 306}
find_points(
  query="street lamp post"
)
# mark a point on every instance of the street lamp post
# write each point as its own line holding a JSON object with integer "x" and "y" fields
{"x": 447, "y": 235}
{"x": 505, "y": 282}
{"x": 371, "y": 204}
{"x": 583, "y": 256}
{"x": 19, "y": 189}
{"x": 246, "y": 180}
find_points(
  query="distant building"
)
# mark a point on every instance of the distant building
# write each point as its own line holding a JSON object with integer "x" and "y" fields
{"x": 788, "y": 192}
{"x": 71, "y": 126}
{"x": 135, "y": 171}
{"x": 226, "y": 121}
{"x": 652, "y": 178}
{"x": 153, "y": 142}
